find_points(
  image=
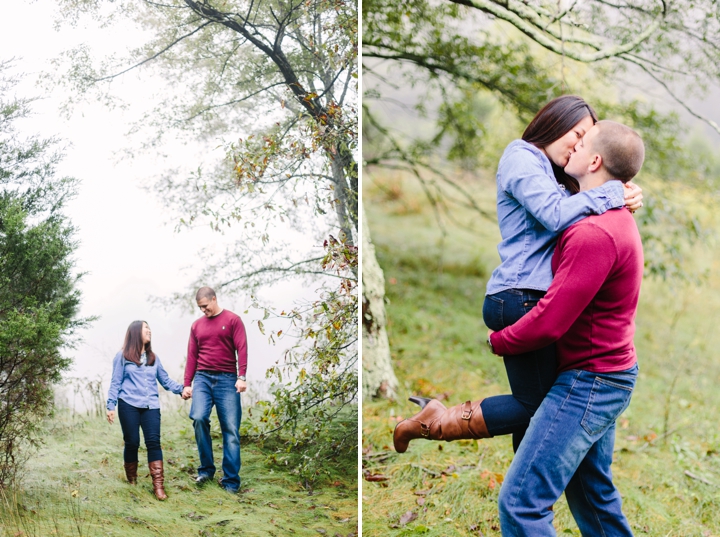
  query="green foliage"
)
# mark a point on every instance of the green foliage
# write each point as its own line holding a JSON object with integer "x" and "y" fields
{"x": 285, "y": 70}
{"x": 38, "y": 296}
{"x": 432, "y": 52}
{"x": 314, "y": 389}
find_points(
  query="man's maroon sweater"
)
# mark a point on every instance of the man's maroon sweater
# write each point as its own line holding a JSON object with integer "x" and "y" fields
{"x": 590, "y": 307}
{"x": 212, "y": 345}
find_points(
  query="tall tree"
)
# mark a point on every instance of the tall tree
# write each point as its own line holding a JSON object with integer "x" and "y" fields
{"x": 278, "y": 77}
{"x": 522, "y": 54}
{"x": 39, "y": 299}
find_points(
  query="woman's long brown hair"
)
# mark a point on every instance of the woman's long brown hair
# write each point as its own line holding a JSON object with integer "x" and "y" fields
{"x": 554, "y": 121}
{"x": 133, "y": 346}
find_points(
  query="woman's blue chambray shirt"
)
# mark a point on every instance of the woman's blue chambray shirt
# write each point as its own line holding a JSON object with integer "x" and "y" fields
{"x": 137, "y": 386}
{"x": 532, "y": 211}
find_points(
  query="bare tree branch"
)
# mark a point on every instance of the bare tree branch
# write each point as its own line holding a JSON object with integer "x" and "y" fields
{"x": 672, "y": 94}
{"x": 434, "y": 66}
{"x": 154, "y": 56}
{"x": 531, "y": 24}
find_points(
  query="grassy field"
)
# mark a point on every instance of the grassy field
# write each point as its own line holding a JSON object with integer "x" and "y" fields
{"x": 667, "y": 457}
{"x": 75, "y": 486}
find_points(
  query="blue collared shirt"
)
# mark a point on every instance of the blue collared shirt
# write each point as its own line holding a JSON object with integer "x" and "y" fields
{"x": 137, "y": 386}
{"x": 532, "y": 211}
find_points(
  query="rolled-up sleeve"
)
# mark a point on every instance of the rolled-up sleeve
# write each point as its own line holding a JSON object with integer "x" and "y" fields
{"x": 165, "y": 380}
{"x": 115, "y": 381}
{"x": 526, "y": 180}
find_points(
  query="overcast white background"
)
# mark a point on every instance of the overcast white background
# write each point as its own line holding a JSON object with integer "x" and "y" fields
{"x": 128, "y": 245}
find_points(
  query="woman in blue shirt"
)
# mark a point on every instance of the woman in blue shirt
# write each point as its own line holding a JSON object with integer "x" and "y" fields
{"x": 536, "y": 200}
{"x": 133, "y": 389}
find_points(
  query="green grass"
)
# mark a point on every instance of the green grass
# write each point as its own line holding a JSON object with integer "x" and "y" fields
{"x": 75, "y": 486}
{"x": 667, "y": 457}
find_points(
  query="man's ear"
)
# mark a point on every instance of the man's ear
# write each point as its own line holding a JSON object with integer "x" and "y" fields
{"x": 595, "y": 163}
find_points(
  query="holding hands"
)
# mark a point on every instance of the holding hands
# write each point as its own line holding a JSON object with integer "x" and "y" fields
{"x": 187, "y": 392}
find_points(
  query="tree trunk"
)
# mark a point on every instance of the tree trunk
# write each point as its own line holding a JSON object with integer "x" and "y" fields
{"x": 347, "y": 218}
{"x": 379, "y": 379}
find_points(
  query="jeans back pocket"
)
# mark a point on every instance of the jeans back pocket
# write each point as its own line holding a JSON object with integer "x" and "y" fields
{"x": 606, "y": 402}
{"x": 493, "y": 312}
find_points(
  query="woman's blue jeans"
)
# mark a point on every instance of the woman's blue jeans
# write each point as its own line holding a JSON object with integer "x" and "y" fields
{"x": 132, "y": 419}
{"x": 569, "y": 446}
{"x": 217, "y": 389}
{"x": 531, "y": 375}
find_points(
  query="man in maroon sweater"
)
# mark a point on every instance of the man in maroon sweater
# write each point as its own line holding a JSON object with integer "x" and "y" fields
{"x": 217, "y": 363}
{"x": 589, "y": 311}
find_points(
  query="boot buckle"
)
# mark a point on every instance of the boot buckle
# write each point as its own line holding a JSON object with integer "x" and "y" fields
{"x": 424, "y": 430}
{"x": 466, "y": 411}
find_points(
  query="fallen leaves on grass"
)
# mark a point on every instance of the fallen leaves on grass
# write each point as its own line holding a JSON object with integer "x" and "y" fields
{"x": 476, "y": 529}
{"x": 405, "y": 519}
{"x": 493, "y": 478}
{"x": 193, "y": 516}
{"x": 375, "y": 477}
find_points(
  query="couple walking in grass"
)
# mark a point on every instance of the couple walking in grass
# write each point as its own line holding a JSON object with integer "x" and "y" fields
{"x": 562, "y": 318}
{"x": 214, "y": 376}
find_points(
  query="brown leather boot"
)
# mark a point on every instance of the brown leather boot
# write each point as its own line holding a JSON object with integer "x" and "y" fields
{"x": 131, "y": 472}
{"x": 436, "y": 422}
{"x": 158, "y": 479}
{"x": 460, "y": 422}
{"x": 419, "y": 425}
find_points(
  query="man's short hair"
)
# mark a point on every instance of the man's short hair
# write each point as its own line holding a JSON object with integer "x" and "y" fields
{"x": 204, "y": 292}
{"x": 621, "y": 149}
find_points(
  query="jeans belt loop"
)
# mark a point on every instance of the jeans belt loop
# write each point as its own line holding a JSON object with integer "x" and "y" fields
{"x": 466, "y": 411}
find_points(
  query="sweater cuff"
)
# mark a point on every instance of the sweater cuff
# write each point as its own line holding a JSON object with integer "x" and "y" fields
{"x": 498, "y": 343}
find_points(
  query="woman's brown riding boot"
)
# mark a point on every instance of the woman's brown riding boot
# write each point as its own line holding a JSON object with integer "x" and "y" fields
{"x": 158, "y": 478}
{"x": 461, "y": 422}
{"x": 435, "y": 422}
{"x": 131, "y": 472}
{"x": 419, "y": 425}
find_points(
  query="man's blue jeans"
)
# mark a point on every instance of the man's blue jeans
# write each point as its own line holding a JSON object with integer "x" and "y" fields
{"x": 217, "y": 389}
{"x": 569, "y": 446}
